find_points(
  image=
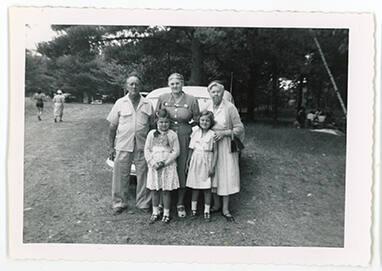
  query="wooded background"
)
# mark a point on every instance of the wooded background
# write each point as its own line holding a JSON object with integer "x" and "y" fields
{"x": 270, "y": 71}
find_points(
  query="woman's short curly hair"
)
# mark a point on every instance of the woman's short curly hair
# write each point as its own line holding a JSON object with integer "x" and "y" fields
{"x": 177, "y": 76}
{"x": 215, "y": 83}
{"x": 134, "y": 74}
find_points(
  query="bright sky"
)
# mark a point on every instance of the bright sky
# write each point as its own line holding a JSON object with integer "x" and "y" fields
{"x": 37, "y": 33}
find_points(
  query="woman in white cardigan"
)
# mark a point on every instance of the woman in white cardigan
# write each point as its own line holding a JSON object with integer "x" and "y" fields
{"x": 228, "y": 125}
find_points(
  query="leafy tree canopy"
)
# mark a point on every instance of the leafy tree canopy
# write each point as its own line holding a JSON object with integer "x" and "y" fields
{"x": 95, "y": 59}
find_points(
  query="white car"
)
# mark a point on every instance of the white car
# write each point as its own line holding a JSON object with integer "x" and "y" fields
{"x": 201, "y": 93}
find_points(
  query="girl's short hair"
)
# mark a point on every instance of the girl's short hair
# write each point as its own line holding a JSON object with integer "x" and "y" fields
{"x": 162, "y": 113}
{"x": 176, "y": 76}
{"x": 210, "y": 115}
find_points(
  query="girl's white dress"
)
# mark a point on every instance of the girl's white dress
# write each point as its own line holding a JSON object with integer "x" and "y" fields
{"x": 200, "y": 162}
{"x": 163, "y": 147}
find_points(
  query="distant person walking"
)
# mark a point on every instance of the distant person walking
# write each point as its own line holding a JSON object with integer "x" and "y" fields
{"x": 301, "y": 117}
{"x": 39, "y": 97}
{"x": 130, "y": 120}
{"x": 58, "y": 101}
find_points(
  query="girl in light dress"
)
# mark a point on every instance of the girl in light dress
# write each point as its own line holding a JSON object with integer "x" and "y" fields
{"x": 161, "y": 151}
{"x": 201, "y": 162}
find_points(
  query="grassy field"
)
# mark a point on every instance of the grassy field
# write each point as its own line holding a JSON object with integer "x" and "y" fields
{"x": 292, "y": 188}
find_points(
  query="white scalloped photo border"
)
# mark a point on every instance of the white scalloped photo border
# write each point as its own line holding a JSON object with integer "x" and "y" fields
{"x": 358, "y": 199}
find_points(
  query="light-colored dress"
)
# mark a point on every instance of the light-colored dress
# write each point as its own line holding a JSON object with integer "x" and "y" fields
{"x": 164, "y": 147}
{"x": 226, "y": 180}
{"x": 200, "y": 162}
{"x": 58, "y": 101}
{"x": 181, "y": 113}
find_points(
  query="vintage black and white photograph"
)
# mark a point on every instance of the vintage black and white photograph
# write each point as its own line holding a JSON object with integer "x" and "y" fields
{"x": 185, "y": 135}
{"x": 286, "y": 187}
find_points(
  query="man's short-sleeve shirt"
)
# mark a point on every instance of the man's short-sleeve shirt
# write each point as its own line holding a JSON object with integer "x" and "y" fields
{"x": 132, "y": 125}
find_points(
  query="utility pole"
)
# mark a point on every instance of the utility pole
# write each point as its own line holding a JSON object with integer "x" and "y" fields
{"x": 329, "y": 72}
{"x": 231, "y": 83}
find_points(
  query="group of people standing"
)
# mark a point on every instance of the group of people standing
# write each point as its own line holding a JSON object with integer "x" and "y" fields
{"x": 58, "y": 101}
{"x": 185, "y": 148}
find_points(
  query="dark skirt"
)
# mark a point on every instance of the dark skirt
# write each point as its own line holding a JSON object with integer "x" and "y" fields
{"x": 40, "y": 104}
{"x": 184, "y": 141}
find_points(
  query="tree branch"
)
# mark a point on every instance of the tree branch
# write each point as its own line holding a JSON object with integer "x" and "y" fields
{"x": 144, "y": 38}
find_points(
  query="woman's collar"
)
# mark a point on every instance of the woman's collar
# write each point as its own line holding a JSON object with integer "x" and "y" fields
{"x": 163, "y": 132}
{"x": 181, "y": 94}
{"x": 218, "y": 106}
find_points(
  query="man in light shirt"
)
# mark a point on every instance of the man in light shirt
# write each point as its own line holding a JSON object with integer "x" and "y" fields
{"x": 130, "y": 120}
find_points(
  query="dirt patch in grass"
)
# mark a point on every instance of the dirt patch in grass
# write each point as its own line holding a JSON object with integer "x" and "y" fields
{"x": 292, "y": 188}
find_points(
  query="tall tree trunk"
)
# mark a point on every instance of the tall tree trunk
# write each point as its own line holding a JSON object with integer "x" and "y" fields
{"x": 254, "y": 71}
{"x": 318, "y": 85}
{"x": 251, "y": 93}
{"x": 168, "y": 63}
{"x": 299, "y": 95}
{"x": 85, "y": 97}
{"x": 275, "y": 98}
{"x": 196, "y": 62}
{"x": 299, "y": 92}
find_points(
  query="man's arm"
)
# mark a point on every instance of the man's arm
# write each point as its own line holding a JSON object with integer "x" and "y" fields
{"x": 112, "y": 134}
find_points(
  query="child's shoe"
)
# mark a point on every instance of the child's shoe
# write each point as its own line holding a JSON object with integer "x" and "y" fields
{"x": 207, "y": 217}
{"x": 193, "y": 213}
{"x": 181, "y": 211}
{"x": 166, "y": 219}
{"x": 160, "y": 209}
{"x": 154, "y": 218}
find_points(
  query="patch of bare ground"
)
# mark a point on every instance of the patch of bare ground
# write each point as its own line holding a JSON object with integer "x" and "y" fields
{"x": 292, "y": 188}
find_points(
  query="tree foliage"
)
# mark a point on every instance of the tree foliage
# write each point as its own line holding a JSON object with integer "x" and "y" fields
{"x": 255, "y": 61}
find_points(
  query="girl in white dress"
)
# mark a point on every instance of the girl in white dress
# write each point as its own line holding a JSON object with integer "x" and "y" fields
{"x": 201, "y": 162}
{"x": 161, "y": 151}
